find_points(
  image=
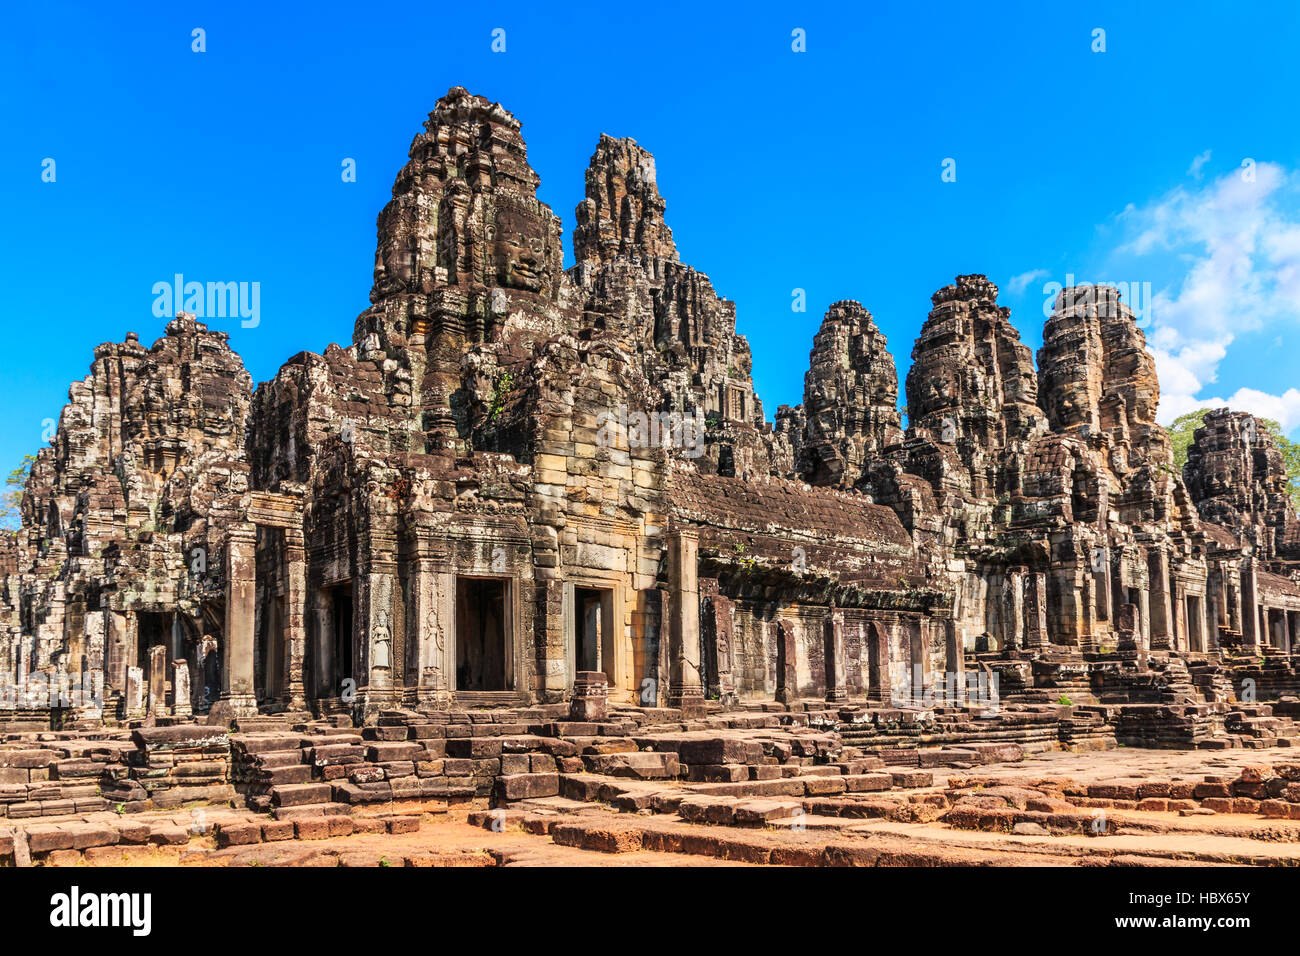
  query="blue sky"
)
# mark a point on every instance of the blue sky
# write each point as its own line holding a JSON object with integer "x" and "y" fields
{"x": 818, "y": 170}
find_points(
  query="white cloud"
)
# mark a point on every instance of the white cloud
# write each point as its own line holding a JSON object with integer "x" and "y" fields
{"x": 1236, "y": 247}
{"x": 1283, "y": 409}
{"x": 1018, "y": 284}
{"x": 1195, "y": 169}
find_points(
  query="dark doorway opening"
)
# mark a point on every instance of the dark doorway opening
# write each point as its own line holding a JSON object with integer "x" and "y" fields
{"x": 152, "y": 628}
{"x": 480, "y": 634}
{"x": 269, "y": 672}
{"x": 587, "y": 629}
{"x": 341, "y": 602}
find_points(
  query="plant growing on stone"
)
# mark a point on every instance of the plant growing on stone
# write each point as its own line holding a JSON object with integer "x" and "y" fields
{"x": 11, "y": 503}
{"x": 504, "y": 383}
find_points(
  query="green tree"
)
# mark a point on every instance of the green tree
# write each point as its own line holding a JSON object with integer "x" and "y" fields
{"x": 1182, "y": 434}
{"x": 11, "y": 503}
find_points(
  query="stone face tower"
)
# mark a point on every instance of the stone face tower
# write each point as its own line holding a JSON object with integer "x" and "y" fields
{"x": 463, "y": 243}
{"x": 1238, "y": 479}
{"x": 622, "y": 216}
{"x": 667, "y": 314}
{"x": 850, "y": 398}
{"x": 1096, "y": 376}
{"x": 971, "y": 384}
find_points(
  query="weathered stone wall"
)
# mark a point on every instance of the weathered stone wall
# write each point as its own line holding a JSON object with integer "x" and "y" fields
{"x": 512, "y": 474}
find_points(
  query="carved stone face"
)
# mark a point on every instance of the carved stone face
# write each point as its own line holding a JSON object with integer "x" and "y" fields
{"x": 393, "y": 263}
{"x": 518, "y": 250}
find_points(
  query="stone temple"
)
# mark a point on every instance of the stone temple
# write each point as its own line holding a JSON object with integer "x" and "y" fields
{"x": 549, "y": 502}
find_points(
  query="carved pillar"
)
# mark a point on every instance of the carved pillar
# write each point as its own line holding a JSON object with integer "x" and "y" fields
{"x": 1212, "y": 612}
{"x": 548, "y": 595}
{"x": 1251, "y": 636}
{"x": 157, "y": 702}
{"x": 1013, "y": 604}
{"x": 1161, "y": 613}
{"x": 241, "y": 595}
{"x": 181, "y": 690}
{"x": 433, "y": 619}
{"x": 833, "y": 632}
{"x": 375, "y": 626}
{"x": 717, "y": 632}
{"x": 121, "y": 649}
{"x": 1101, "y": 572}
{"x": 1035, "y": 610}
{"x": 787, "y": 673}
{"x": 295, "y": 617}
{"x": 1127, "y": 628}
{"x": 954, "y": 662}
{"x": 878, "y": 683}
{"x": 1179, "y": 641}
{"x": 684, "y": 691}
{"x": 133, "y": 698}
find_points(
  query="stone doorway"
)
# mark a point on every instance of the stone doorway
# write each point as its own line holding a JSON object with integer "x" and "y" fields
{"x": 592, "y": 632}
{"x": 152, "y": 628}
{"x": 482, "y": 626}
{"x": 344, "y": 647}
{"x": 269, "y": 673}
{"x": 1195, "y": 626}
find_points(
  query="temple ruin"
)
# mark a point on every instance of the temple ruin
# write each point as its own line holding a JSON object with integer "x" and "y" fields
{"x": 529, "y": 495}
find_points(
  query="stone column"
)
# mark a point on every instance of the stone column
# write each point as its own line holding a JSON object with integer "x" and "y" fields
{"x": 237, "y": 642}
{"x": 1127, "y": 628}
{"x": 1251, "y": 637}
{"x": 1035, "y": 609}
{"x": 1211, "y": 625}
{"x": 1161, "y": 613}
{"x": 120, "y": 652}
{"x": 717, "y": 632}
{"x": 295, "y": 617}
{"x": 181, "y": 689}
{"x": 158, "y": 680}
{"x": 787, "y": 673}
{"x": 878, "y": 683}
{"x": 684, "y": 689}
{"x": 1179, "y": 641}
{"x": 375, "y": 632}
{"x": 1102, "y": 581}
{"x": 548, "y": 598}
{"x": 955, "y": 662}
{"x": 1013, "y": 604}
{"x": 433, "y": 617}
{"x": 133, "y": 699}
{"x": 91, "y": 696}
{"x": 23, "y": 669}
{"x": 833, "y": 631}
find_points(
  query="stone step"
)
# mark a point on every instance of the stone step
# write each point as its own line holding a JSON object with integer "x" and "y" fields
{"x": 277, "y": 776}
{"x": 310, "y": 810}
{"x": 299, "y": 794}
{"x": 279, "y": 758}
{"x": 639, "y": 765}
{"x": 256, "y": 725}
{"x": 521, "y": 786}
